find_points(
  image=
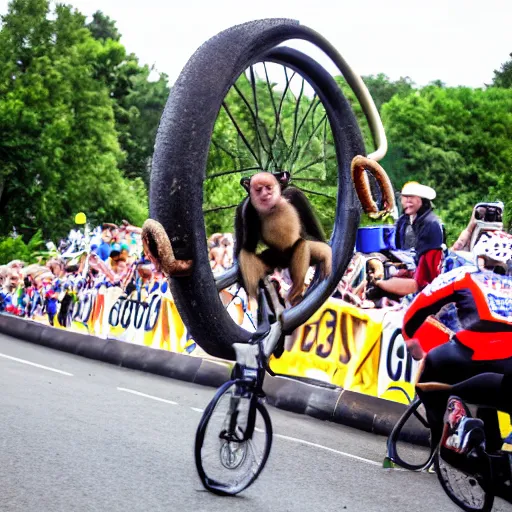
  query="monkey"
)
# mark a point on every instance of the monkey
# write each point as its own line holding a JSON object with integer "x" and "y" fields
{"x": 281, "y": 217}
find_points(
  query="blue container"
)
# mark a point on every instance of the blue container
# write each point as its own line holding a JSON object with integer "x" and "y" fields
{"x": 375, "y": 239}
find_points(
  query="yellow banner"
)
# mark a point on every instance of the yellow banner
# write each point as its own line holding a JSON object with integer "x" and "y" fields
{"x": 339, "y": 344}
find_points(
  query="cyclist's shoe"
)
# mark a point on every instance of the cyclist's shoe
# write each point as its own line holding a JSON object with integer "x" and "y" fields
{"x": 461, "y": 432}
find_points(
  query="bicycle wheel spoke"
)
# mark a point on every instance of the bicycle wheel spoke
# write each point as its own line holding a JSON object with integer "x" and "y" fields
{"x": 233, "y": 171}
{"x": 240, "y": 133}
{"x": 462, "y": 488}
{"x": 278, "y": 129}
{"x": 256, "y": 122}
{"x": 230, "y": 463}
{"x": 315, "y": 193}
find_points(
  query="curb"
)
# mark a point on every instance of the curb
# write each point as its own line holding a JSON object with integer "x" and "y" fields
{"x": 322, "y": 401}
{"x": 135, "y": 357}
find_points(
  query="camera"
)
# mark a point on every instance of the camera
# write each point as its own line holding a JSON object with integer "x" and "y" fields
{"x": 489, "y": 212}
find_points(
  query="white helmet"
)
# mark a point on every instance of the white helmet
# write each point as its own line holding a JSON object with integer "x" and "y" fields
{"x": 496, "y": 247}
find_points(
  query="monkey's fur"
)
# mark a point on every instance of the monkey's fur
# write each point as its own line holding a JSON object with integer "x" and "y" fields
{"x": 287, "y": 225}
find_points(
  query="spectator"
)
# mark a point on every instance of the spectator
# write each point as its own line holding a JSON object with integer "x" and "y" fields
{"x": 419, "y": 229}
{"x": 12, "y": 280}
{"x": 57, "y": 267}
{"x": 485, "y": 217}
{"x": 3, "y": 275}
{"x": 106, "y": 237}
{"x": 217, "y": 253}
{"x": 16, "y": 265}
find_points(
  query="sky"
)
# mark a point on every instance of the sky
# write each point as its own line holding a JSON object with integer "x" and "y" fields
{"x": 460, "y": 42}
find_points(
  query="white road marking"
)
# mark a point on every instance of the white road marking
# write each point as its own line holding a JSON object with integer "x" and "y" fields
{"x": 326, "y": 448}
{"x": 281, "y": 436}
{"x": 36, "y": 365}
{"x": 138, "y": 393}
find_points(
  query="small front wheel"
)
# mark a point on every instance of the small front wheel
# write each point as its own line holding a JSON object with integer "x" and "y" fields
{"x": 233, "y": 440}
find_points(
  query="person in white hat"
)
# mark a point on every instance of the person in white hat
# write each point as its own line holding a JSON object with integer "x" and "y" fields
{"x": 419, "y": 229}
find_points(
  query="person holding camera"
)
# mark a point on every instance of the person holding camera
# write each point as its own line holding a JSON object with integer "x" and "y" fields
{"x": 485, "y": 217}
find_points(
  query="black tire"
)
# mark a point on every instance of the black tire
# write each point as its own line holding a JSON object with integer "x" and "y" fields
{"x": 211, "y": 448}
{"x": 180, "y": 158}
{"x": 465, "y": 490}
{"x": 398, "y": 435}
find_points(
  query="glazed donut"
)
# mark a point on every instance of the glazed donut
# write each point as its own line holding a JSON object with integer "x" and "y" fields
{"x": 360, "y": 165}
{"x": 157, "y": 247}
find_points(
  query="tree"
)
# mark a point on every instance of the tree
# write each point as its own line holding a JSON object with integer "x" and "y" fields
{"x": 138, "y": 102}
{"x": 383, "y": 89}
{"x": 456, "y": 140}
{"x": 58, "y": 141}
{"x": 102, "y": 27}
{"x": 503, "y": 77}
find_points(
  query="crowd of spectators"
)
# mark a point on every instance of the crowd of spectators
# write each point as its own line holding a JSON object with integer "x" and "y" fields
{"x": 112, "y": 255}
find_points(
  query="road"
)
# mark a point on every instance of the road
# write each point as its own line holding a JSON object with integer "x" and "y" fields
{"x": 80, "y": 435}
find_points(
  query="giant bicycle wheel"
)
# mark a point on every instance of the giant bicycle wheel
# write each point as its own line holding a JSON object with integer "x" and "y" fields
{"x": 182, "y": 152}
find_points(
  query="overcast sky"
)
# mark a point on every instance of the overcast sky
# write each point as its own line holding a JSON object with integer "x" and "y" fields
{"x": 460, "y": 42}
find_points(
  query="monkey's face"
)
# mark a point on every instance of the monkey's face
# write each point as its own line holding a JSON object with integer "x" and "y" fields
{"x": 265, "y": 192}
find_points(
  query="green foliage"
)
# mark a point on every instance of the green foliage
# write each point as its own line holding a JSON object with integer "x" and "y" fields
{"x": 14, "y": 248}
{"x": 456, "y": 140}
{"x": 102, "y": 27}
{"x": 383, "y": 89}
{"x": 59, "y": 146}
{"x": 503, "y": 77}
{"x": 137, "y": 102}
{"x": 79, "y": 114}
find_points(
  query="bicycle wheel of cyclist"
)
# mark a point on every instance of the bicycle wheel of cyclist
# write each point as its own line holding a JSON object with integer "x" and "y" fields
{"x": 466, "y": 490}
{"x": 409, "y": 442}
{"x": 233, "y": 440}
{"x": 187, "y": 149}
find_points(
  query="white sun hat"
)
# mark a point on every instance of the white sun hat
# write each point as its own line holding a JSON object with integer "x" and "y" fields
{"x": 413, "y": 188}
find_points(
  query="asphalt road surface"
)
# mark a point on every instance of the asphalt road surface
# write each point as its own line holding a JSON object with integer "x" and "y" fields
{"x": 80, "y": 435}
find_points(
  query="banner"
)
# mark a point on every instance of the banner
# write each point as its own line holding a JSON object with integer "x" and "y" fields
{"x": 339, "y": 344}
{"x": 358, "y": 349}
{"x": 397, "y": 371}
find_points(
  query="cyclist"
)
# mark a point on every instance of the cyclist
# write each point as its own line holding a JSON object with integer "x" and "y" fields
{"x": 478, "y": 358}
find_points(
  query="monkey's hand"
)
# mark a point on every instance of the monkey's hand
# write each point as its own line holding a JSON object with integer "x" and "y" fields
{"x": 157, "y": 247}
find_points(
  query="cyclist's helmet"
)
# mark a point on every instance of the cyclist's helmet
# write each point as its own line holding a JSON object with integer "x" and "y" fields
{"x": 493, "y": 251}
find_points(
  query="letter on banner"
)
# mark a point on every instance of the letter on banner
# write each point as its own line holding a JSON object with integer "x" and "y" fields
{"x": 397, "y": 369}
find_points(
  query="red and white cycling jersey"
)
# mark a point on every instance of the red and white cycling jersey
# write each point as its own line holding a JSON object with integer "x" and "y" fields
{"x": 484, "y": 306}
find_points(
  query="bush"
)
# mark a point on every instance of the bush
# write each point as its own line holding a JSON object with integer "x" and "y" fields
{"x": 16, "y": 249}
